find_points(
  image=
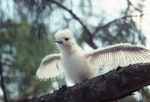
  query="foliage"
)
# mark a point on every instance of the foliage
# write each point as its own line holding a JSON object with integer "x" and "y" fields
{"x": 22, "y": 49}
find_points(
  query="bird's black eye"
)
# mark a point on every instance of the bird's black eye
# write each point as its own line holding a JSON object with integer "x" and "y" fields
{"x": 66, "y": 39}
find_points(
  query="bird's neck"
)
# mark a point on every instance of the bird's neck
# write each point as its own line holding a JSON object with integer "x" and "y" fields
{"x": 71, "y": 49}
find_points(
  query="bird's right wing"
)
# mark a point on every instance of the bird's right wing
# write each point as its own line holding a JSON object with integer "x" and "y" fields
{"x": 50, "y": 67}
{"x": 118, "y": 55}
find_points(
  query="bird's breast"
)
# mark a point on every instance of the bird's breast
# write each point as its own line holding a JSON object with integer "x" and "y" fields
{"x": 74, "y": 62}
{"x": 76, "y": 66}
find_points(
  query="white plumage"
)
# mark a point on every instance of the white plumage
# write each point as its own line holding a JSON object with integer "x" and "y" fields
{"x": 79, "y": 65}
{"x": 52, "y": 67}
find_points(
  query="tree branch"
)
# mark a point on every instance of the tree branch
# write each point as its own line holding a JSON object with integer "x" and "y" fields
{"x": 130, "y": 3}
{"x": 112, "y": 22}
{"x": 111, "y": 86}
{"x": 90, "y": 39}
{"x": 74, "y": 16}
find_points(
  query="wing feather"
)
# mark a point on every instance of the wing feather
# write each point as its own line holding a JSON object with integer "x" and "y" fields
{"x": 50, "y": 67}
{"x": 116, "y": 59}
{"x": 128, "y": 57}
{"x": 105, "y": 58}
{"x": 101, "y": 62}
{"x": 123, "y": 63}
{"x": 118, "y": 55}
{"x": 111, "y": 59}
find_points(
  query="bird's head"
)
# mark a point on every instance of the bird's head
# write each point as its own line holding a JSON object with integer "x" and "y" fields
{"x": 64, "y": 39}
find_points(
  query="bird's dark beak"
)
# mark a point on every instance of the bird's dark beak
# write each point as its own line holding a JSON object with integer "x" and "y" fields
{"x": 59, "y": 42}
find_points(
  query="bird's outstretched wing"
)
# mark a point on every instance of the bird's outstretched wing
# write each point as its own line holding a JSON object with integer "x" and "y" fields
{"x": 50, "y": 67}
{"x": 118, "y": 55}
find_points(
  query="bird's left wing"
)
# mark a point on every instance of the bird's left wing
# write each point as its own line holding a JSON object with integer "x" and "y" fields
{"x": 50, "y": 67}
{"x": 118, "y": 55}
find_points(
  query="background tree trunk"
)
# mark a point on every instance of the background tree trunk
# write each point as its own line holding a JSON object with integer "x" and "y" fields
{"x": 2, "y": 83}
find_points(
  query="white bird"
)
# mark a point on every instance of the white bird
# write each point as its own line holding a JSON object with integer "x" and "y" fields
{"x": 79, "y": 65}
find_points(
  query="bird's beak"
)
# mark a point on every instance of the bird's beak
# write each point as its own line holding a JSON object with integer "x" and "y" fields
{"x": 59, "y": 42}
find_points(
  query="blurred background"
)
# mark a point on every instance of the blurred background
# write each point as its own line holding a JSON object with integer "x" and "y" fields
{"x": 27, "y": 29}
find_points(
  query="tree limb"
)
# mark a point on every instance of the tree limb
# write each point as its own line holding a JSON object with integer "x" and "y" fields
{"x": 74, "y": 15}
{"x": 98, "y": 28}
{"x": 111, "y": 86}
{"x": 90, "y": 37}
{"x": 130, "y": 3}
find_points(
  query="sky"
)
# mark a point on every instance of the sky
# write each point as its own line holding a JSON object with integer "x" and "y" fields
{"x": 146, "y": 22}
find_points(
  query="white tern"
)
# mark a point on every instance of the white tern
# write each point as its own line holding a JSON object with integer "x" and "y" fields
{"x": 79, "y": 65}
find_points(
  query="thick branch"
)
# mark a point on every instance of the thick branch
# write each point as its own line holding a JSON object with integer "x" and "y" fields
{"x": 105, "y": 88}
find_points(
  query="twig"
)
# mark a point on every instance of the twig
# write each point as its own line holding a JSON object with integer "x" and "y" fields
{"x": 130, "y": 3}
{"x": 113, "y": 21}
